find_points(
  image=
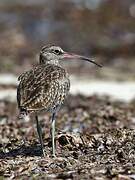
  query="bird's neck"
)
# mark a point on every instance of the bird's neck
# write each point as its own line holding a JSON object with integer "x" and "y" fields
{"x": 54, "y": 62}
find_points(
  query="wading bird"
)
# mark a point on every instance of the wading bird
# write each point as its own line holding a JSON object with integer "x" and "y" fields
{"x": 45, "y": 87}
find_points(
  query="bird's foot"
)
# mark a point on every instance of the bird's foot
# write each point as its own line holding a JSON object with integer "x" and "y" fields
{"x": 53, "y": 155}
{"x": 43, "y": 153}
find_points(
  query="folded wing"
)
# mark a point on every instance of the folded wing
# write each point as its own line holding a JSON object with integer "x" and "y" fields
{"x": 43, "y": 87}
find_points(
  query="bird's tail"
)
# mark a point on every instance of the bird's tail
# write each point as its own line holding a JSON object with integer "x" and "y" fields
{"x": 23, "y": 114}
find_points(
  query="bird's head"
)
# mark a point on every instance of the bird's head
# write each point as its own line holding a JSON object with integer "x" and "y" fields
{"x": 53, "y": 54}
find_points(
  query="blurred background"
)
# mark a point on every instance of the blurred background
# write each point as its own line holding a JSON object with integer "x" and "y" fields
{"x": 103, "y": 29}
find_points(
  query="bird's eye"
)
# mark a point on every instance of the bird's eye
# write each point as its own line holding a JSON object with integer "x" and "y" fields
{"x": 56, "y": 51}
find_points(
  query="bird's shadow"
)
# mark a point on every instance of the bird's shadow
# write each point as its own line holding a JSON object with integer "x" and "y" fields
{"x": 23, "y": 150}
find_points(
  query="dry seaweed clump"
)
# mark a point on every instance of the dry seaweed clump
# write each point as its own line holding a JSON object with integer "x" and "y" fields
{"x": 105, "y": 155}
{"x": 97, "y": 141}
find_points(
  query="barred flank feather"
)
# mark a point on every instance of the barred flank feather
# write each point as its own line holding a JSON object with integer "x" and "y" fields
{"x": 43, "y": 87}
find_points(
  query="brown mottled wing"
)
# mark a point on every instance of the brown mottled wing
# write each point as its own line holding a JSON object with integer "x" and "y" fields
{"x": 23, "y": 78}
{"x": 40, "y": 87}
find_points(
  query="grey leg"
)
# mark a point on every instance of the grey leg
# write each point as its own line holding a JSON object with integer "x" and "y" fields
{"x": 39, "y": 131}
{"x": 53, "y": 133}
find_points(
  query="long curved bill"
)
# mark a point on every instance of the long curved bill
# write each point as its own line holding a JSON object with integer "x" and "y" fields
{"x": 75, "y": 56}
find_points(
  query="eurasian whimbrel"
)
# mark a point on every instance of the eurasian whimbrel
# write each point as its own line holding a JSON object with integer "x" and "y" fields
{"x": 46, "y": 86}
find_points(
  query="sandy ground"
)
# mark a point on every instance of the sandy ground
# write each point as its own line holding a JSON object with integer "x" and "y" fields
{"x": 123, "y": 90}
